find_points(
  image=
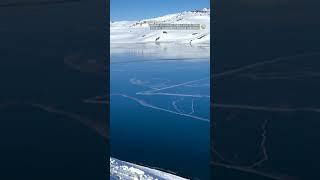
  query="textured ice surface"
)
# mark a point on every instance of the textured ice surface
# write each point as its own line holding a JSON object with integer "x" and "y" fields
{"x": 128, "y": 171}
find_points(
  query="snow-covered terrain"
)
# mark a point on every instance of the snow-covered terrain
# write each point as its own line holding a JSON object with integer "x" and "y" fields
{"x": 139, "y": 31}
{"x": 128, "y": 171}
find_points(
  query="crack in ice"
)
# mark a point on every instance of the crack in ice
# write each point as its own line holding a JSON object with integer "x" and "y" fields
{"x": 145, "y": 104}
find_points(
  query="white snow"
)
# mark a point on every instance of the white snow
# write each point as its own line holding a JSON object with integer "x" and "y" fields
{"x": 139, "y": 31}
{"x": 128, "y": 171}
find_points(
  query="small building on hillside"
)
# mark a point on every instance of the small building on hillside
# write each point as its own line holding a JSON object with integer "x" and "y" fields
{"x": 164, "y": 26}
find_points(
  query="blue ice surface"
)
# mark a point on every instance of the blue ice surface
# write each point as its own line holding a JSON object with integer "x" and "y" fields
{"x": 160, "y": 110}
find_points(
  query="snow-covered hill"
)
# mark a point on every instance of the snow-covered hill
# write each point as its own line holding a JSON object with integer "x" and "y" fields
{"x": 139, "y": 31}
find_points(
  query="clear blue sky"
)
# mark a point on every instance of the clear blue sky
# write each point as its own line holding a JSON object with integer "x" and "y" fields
{"x": 141, "y": 9}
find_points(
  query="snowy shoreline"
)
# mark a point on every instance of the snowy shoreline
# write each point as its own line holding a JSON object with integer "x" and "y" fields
{"x": 127, "y": 32}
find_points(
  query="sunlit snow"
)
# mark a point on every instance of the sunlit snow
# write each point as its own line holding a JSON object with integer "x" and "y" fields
{"x": 139, "y": 31}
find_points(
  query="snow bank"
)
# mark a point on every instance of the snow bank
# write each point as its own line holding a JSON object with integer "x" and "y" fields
{"x": 128, "y": 171}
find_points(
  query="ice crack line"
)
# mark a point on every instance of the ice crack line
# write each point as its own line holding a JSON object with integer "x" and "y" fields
{"x": 145, "y": 104}
{"x": 173, "y": 94}
{"x": 176, "y": 107}
{"x": 262, "y": 146}
{"x": 97, "y": 126}
{"x": 266, "y": 108}
{"x": 271, "y": 175}
{"x": 254, "y": 65}
{"x": 192, "y": 107}
{"x": 170, "y": 87}
{"x": 253, "y": 168}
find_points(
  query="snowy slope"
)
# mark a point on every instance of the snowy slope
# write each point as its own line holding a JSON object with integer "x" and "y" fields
{"x": 139, "y": 31}
{"x": 128, "y": 171}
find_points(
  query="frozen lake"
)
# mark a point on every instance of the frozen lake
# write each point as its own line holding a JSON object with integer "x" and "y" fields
{"x": 160, "y": 107}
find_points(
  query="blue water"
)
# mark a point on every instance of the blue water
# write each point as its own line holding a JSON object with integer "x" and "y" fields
{"x": 160, "y": 110}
